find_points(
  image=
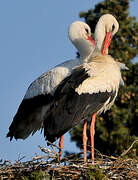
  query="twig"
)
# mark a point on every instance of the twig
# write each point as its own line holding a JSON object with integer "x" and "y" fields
{"x": 126, "y": 151}
{"x": 54, "y": 145}
{"x": 45, "y": 150}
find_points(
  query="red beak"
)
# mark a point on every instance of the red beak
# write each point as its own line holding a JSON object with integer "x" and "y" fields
{"x": 107, "y": 41}
{"x": 91, "y": 40}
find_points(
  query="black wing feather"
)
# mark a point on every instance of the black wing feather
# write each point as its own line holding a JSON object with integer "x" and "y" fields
{"x": 26, "y": 116}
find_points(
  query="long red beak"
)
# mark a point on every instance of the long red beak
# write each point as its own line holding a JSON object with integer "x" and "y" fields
{"x": 107, "y": 41}
{"x": 91, "y": 40}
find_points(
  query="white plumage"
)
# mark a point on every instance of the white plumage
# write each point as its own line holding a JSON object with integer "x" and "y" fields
{"x": 47, "y": 82}
{"x": 104, "y": 75}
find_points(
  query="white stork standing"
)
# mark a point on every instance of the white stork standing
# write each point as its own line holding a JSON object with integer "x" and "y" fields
{"x": 31, "y": 113}
{"x": 90, "y": 89}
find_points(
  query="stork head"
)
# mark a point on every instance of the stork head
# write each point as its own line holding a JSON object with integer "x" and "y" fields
{"x": 80, "y": 35}
{"x": 106, "y": 28}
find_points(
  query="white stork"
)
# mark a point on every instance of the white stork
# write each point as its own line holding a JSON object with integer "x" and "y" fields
{"x": 31, "y": 113}
{"x": 90, "y": 89}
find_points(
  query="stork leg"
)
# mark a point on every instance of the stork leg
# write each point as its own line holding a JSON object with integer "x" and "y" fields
{"x": 85, "y": 140}
{"x": 92, "y": 132}
{"x": 61, "y": 145}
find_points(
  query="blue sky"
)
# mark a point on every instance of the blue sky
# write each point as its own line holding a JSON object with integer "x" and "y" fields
{"x": 33, "y": 39}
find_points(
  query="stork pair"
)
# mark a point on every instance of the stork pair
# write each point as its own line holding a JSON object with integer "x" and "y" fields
{"x": 73, "y": 91}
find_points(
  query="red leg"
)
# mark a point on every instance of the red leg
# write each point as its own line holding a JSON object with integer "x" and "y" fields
{"x": 92, "y": 132}
{"x": 85, "y": 140}
{"x": 61, "y": 145}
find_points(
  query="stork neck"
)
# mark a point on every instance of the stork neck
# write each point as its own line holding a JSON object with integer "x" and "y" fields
{"x": 99, "y": 36}
{"x": 85, "y": 47}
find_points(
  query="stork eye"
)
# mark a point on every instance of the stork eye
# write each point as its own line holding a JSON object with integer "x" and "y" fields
{"x": 113, "y": 27}
{"x": 87, "y": 31}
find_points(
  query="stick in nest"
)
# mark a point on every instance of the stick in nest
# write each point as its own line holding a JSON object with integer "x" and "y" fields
{"x": 126, "y": 151}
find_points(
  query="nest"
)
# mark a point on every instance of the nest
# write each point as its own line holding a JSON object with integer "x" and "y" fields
{"x": 71, "y": 167}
